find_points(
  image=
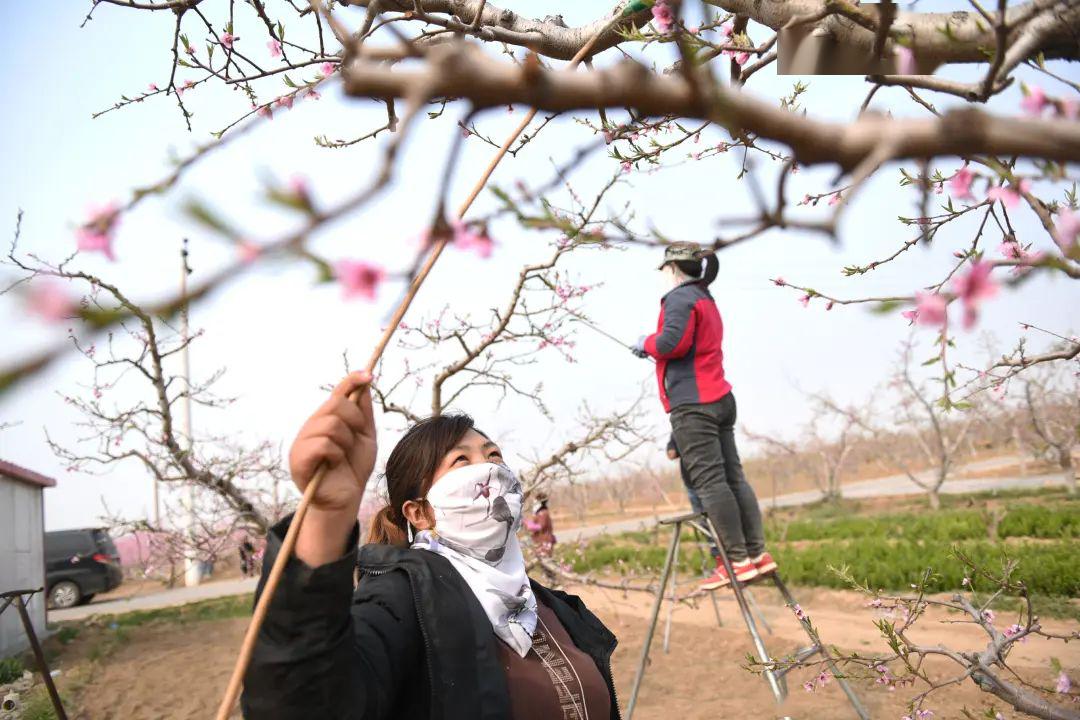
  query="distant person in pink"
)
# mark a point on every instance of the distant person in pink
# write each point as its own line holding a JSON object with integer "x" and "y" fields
{"x": 540, "y": 527}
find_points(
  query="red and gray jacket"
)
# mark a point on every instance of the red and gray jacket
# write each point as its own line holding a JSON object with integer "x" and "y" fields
{"x": 687, "y": 347}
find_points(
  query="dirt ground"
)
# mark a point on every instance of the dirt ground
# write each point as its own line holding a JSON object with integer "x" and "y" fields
{"x": 164, "y": 670}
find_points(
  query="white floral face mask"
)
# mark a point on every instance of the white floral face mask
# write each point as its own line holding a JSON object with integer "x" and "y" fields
{"x": 477, "y": 512}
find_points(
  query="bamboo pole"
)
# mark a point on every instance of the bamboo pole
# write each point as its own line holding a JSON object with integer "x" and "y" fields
{"x": 243, "y": 659}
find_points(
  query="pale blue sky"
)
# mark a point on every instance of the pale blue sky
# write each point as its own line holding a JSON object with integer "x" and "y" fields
{"x": 280, "y": 337}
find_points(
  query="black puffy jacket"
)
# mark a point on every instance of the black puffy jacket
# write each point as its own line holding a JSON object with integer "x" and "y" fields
{"x": 409, "y": 643}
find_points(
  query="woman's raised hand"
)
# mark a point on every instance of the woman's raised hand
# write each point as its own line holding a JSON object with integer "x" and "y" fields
{"x": 341, "y": 435}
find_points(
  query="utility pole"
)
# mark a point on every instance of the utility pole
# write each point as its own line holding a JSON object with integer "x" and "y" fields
{"x": 192, "y": 566}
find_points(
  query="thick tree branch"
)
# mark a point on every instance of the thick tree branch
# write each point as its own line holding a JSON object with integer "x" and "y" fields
{"x": 463, "y": 71}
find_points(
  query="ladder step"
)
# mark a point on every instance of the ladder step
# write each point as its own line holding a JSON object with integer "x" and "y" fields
{"x": 800, "y": 655}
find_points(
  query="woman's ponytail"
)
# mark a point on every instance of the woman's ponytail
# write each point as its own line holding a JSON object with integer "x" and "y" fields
{"x": 384, "y": 531}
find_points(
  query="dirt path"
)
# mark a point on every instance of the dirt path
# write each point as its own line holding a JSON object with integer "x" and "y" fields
{"x": 179, "y": 671}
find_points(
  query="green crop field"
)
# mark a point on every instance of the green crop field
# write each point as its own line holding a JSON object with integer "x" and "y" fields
{"x": 889, "y": 550}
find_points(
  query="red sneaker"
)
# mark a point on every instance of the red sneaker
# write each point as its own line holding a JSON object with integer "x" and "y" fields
{"x": 744, "y": 570}
{"x": 764, "y": 563}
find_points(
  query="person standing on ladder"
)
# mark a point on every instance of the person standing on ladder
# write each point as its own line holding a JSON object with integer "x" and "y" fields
{"x": 687, "y": 347}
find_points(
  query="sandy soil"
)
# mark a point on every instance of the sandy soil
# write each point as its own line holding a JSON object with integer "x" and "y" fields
{"x": 179, "y": 671}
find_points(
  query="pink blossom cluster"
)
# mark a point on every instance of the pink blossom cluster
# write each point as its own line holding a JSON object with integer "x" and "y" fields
{"x": 566, "y": 291}
{"x": 819, "y": 682}
{"x": 663, "y": 16}
{"x": 48, "y": 300}
{"x": 557, "y": 342}
{"x": 741, "y": 56}
{"x": 885, "y": 677}
{"x": 972, "y": 288}
{"x": 1012, "y": 250}
{"x": 467, "y": 238}
{"x": 96, "y": 234}
{"x": 1035, "y": 102}
{"x": 1014, "y": 630}
{"x": 920, "y": 714}
{"x": 1067, "y": 231}
{"x": 1008, "y": 196}
{"x": 359, "y": 278}
{"x": 960, "y": 184}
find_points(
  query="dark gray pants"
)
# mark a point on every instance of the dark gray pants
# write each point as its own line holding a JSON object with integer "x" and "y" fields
{"x": 705, "y": 436}
{"x": 695, "y": 504}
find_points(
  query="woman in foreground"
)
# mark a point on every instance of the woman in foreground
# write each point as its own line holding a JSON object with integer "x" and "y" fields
{"x": 444, "y": 623}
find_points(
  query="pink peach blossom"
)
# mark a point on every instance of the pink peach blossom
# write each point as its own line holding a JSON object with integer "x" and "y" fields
{"x": 284, "y": 101}
{"x": 1014, "y": 630}
{"x": 264, "y": 111}
{"x": 960, "y": 184}
{"x": 910, "y": 315}
{"x": 726, "y": 30}
{"x": 467, "y": 239}
{"x": 1066, "y": 229}
{"x": 663, "y": 16}
{"x": 327, "y": 69}
{"x": 805, "y": 300}
{"x": 930, "y": 309}
{"x": 274, "y": 47}
{"x": 1034, "y": 101}
{"x": 313, "y": 94}
{"x": 974, "y": 288}
{"x": 835, "y": 199}
{"x": 49, "y": 300}
{"x": 359, "y": 278}
{"x": 1006, "y": 195}
{"x": 741, "y": 58}
{"x": 153, "y": 87}
{"x": 227, "y": 40}
{"x": 96, "y": 235}
{"x": 779, "y": 282}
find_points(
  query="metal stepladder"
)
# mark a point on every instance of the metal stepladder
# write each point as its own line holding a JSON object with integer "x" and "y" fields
{"x": 777, "y": 678}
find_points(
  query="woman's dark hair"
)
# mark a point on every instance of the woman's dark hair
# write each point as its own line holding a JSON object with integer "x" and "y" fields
{"x": 411, "y": 468}
{"x": 690, "y": 268}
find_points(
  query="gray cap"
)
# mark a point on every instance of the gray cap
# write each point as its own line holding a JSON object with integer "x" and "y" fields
{"x": 680, "y": 251}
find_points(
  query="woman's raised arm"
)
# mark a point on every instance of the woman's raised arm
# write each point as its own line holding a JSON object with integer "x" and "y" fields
{"x": 341, "y": 435}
